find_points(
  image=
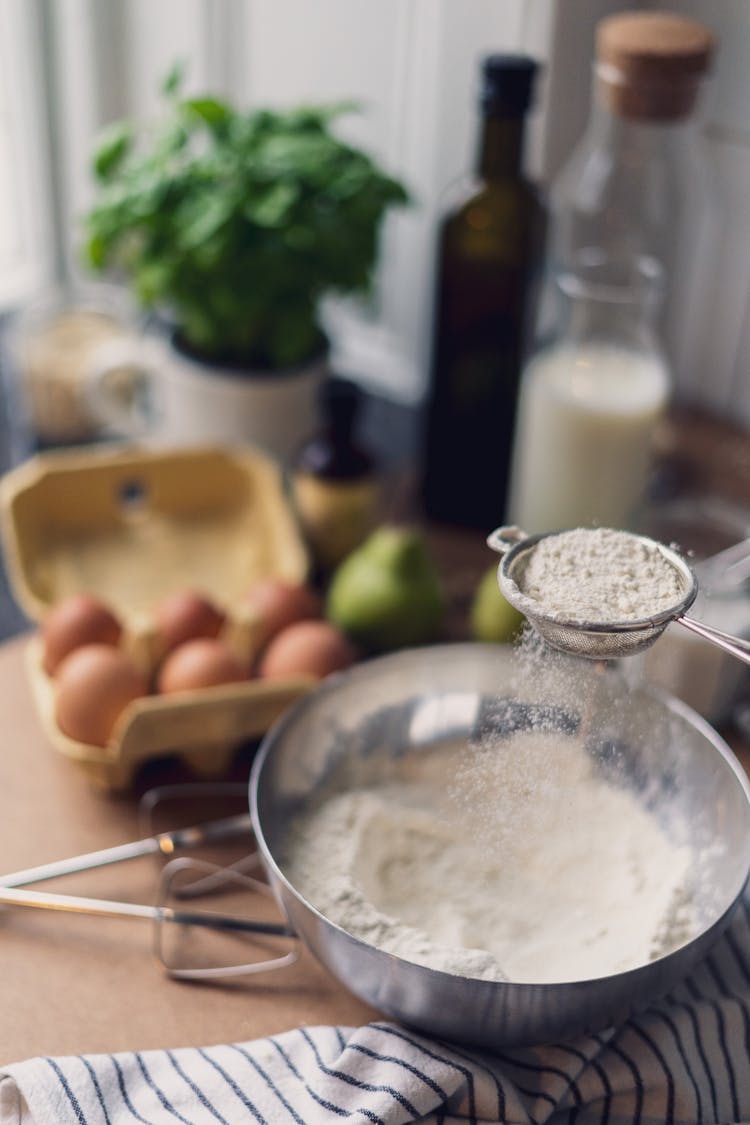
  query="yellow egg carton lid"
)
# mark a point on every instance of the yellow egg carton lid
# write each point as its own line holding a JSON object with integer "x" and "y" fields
{"x": 130, "y": 526}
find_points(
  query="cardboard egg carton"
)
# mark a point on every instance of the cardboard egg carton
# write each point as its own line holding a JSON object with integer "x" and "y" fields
{"x": 129, "y": 527}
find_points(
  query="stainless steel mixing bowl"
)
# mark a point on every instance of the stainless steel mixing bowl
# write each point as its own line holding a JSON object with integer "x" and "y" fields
{"x": 404, "y": 704}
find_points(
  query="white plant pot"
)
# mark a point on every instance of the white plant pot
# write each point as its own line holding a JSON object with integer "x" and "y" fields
{"x": 151, "y": 391}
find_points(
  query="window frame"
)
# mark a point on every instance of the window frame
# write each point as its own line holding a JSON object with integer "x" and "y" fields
{"x": 29, "y": 265}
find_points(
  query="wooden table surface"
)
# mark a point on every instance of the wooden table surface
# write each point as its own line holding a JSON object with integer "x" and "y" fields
{"x": 75, "y": 984}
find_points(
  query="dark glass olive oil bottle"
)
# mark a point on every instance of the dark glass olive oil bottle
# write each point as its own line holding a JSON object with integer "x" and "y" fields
{"x": 488, "y": 259}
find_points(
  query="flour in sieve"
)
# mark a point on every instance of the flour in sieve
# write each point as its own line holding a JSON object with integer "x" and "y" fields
{"x": 599, "y": 574}
{"x": 584, "y": 884}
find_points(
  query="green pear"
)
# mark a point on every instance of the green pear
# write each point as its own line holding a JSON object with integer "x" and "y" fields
{"x": 386, "y": 593}
{"x": 492, "y": 618}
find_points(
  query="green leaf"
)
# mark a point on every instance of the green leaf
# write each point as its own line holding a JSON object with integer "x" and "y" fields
{"x": 112, "y": 145}
{"x": 96, "y": 251}
{"x": 152, "y": 280}
{"x": 172, "y": 140}
{"x": 174, "y": 78}
{"x": 202, "y": 223}
{"x": 215, "y": 113}
{"x": 273, "y": 208}
{"x": 292, "y": 336}
{"x": 300, "y": 155}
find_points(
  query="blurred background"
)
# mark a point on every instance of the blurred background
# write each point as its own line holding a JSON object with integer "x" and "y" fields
{"x": 67, "y": 67}
{"x": 70, "y": 67}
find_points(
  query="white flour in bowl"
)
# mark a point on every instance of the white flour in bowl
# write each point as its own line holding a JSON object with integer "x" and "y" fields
{"x": 599, "y": 574}
{"x": 540, "y": 870}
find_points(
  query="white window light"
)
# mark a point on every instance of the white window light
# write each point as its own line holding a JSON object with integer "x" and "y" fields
{"x": 26, "y": 238}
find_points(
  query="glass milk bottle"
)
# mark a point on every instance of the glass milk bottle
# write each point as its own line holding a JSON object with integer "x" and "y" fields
{"x": 638, "y": 182}
{"x": 590, "y": 399}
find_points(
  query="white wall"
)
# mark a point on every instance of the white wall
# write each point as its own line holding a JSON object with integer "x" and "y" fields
{"x": 26, "y": 229}
{"x": 717, "y": 338}
{"x": 413, "y": 64}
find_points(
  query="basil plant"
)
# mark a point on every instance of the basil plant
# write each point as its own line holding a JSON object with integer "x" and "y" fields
{"x": 236, "y": 223}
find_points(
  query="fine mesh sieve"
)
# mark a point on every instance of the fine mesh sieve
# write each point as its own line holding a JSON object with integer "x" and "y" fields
{"x": 601, "y": 640}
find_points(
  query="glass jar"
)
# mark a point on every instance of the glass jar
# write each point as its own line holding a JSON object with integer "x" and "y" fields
{"x": 637, "y": 183}
{"x": 54, "y": 344}
{"x": 590, "y": 399}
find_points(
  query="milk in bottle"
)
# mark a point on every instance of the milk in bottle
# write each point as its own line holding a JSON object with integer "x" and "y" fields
{"x": 590, "y": 400}
{"x": 586, "y": 416}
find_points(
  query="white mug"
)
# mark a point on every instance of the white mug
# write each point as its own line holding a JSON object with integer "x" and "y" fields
{"x": 148, "y": 390}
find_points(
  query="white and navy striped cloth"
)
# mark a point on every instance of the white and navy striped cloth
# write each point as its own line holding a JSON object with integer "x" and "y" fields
{"x": 686, "y": 1060}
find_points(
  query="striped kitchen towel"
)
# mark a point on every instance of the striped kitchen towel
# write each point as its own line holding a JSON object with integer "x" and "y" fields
{"x": 685, "y": 1060}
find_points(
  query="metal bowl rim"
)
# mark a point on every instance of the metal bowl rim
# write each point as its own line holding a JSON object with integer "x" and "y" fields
{"x": 445, "y": 651}
{"x": 529, "y": 606}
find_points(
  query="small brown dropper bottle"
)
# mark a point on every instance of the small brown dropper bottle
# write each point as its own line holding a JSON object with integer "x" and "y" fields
{"x": 335, "y": 483}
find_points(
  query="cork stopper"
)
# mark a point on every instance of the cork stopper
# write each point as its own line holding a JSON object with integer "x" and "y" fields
{"x": 649, "y": 64}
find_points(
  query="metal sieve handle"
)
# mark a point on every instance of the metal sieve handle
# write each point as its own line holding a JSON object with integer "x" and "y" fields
{"x": 503, "y": 538}
{"x": 735, "y": 646}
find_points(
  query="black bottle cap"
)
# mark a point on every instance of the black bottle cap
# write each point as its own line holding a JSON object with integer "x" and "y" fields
{"x": 507, "y": 84}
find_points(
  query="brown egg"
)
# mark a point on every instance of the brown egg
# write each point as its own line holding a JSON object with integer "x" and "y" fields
{"x": 185, "y": 615}
{"x": 95, "y": 683}
{"x": 200, "y": 663}
{"x": 306, "y": 648}
{"x": 277, "y": 604}
{"x": 79, "y": 619}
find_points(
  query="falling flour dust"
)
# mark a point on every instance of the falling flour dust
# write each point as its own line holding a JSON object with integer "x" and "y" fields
{"x": 528, "y": 866}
